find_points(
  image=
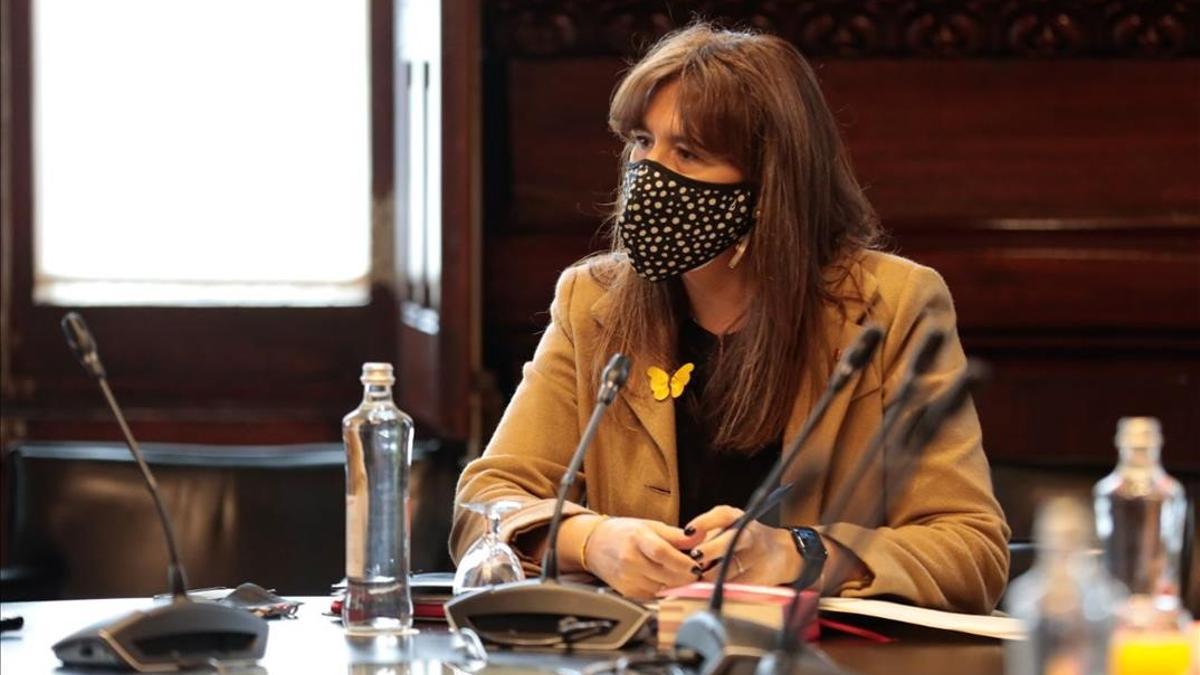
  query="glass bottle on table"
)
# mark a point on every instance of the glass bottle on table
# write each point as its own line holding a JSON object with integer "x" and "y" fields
{"x": 1140, "y": 512}
{"x": 378, "y": 438}
{"x": 1065, "y": 601}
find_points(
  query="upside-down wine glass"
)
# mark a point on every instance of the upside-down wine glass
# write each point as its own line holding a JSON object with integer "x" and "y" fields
{"x": 489, "y": 561}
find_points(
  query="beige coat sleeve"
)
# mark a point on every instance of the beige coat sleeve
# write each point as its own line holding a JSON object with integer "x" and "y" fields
{"x": 944, "y": 542}
{"x": 532, "y": 446}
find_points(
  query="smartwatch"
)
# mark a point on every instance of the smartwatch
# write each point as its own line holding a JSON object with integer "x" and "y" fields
{"x": 812, "y": 553}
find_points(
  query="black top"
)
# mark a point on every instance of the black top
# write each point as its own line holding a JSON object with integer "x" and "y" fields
{"x": 709, "y": 477}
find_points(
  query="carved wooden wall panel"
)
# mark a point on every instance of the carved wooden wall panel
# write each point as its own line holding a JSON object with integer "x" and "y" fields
{"x": 862, "y": 28}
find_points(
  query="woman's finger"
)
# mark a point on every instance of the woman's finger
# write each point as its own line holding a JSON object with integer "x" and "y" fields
{"x": 715, "y": 547}
{"x": 675, "y": 536}
{"x": 675, "y": 563}
{"x": 740, "y": 569}
{"x": 716, "y": 518}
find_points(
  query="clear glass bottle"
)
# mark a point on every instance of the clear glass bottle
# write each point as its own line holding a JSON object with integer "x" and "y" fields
{"x": 378, "y": 438}
{"x": 1140, "y": 512}
{"x": 1065, "y": 600}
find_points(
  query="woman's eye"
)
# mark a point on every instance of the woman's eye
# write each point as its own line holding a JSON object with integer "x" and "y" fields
{"x": 642, "y": 141}
{"x": 686, "y": 154}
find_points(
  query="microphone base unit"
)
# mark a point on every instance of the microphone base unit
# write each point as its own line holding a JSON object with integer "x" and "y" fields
{"x": 725, "y": 645}
{"x": 177, "y": 636}
{"x": 549, "y": 614}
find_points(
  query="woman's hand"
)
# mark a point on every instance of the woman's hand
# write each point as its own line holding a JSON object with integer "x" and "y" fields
{"x": 638, "y": 558}
{"x": 764, "y": 555}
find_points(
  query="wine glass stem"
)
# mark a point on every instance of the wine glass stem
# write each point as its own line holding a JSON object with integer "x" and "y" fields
{"x": 493, "y": 530}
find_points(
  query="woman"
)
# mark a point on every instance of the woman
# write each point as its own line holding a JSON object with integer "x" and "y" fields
{"x": 742, "y": 265}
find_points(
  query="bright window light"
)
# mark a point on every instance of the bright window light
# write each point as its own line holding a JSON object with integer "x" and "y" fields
{"x": 201, "y": 152}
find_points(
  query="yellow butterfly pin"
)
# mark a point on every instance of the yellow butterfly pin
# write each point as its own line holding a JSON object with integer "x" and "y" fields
{"x": 663, "y": 385}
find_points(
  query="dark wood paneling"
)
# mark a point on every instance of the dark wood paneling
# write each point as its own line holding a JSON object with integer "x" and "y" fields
{"x": 1023, "y": 139}
{"x": 1038, "y": 276}
{"x": 929, "y": 139}
{"x": 1062, "y": 405}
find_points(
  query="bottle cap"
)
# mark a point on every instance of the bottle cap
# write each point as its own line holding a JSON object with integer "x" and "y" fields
{"x": 1063, "y": 523}
{"x": 377, "y": 374}
{"x": 1139, "y": 432}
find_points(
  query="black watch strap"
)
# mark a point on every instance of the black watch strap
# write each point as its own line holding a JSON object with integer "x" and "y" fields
{"x": 812, "y": 552}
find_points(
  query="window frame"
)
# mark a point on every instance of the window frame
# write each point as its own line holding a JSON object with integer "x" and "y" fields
{"x": 250, "y": 374}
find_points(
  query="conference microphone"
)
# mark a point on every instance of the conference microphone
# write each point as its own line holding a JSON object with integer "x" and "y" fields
{"x": 920, "y": 364}
{"x": 924, "y": 424}
{"x": 729, "y": 645}
{"x": 931, "y": 344}
{"x": 549, "y": 612}
{"x": 853, "y": 360}
{"x": 611, "y": 380}
{"x": 179, "y": 635}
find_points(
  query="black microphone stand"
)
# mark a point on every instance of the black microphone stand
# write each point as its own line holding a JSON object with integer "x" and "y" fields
{"x": 549, "y": 612}
{"x": 181, "y": 634}
{"x": 726, "y": 644}
{"x": 791, "y": 658}
{"x": 926, "y": 353}
{"x": 611, "y": 380}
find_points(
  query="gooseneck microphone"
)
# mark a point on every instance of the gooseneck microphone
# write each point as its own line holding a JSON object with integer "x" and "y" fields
{"x": 926, "y": 425}
{"x": 913, "y": 438}
{"x": 931, "y": 344}
{"x": 611, "y": 380}
{"x": 179, "y": 635}
{"x": 81, "y": 342}
{"x": 547, "y": 611}
{"x": 921, "y": 362}
{"x": 852, "y": 361}
{"x": 727, "y": 644}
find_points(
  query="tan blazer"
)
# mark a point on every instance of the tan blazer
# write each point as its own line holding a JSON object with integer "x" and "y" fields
{"x": 940, "y": 541}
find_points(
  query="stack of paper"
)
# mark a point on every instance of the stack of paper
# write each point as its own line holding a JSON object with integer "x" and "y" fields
{"x": 997, "y": 626}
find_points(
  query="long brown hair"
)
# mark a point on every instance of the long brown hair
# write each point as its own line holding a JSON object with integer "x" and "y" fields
{"x": 753, "y": 100}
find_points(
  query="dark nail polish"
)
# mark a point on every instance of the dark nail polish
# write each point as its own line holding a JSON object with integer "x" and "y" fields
{"x": 689, "y": 530}
{"x": 696, "y": 570}
{"x": 696, "y": 554}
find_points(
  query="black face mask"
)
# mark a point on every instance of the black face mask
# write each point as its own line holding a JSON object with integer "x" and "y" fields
{"x": 671, "y": 224}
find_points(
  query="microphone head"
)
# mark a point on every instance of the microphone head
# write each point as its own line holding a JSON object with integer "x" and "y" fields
{"x": 613, "y": 377}
{"x": 857, "y": 356}
{"x": 862, "y": 349}
{"x": 81, "y": 342}
{"x": 975, "y": 374}
{"x": 928, "y": 351}
{"x": 949, "y": 403}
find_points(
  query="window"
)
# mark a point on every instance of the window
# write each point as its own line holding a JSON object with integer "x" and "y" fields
{"x": 201, "y": 152}
{"x": 234, "y": 132}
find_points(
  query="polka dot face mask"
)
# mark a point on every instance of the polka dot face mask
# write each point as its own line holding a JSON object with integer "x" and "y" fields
{"x": 672, "y": 224}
